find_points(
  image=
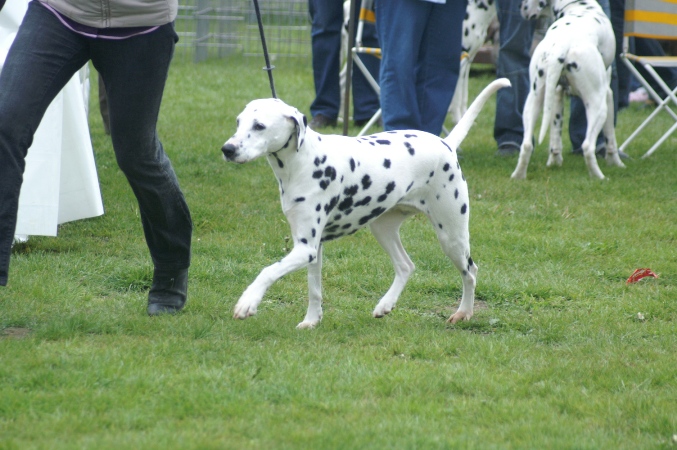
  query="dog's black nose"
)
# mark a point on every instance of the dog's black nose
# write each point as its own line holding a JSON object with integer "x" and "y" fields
{"x": 229, "y": 151}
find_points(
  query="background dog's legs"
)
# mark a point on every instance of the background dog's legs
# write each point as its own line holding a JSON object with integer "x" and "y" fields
{"x": 314, "y": 313}
{"x": 592, "y": 84}
{"x": 612, "y": 157}
{"x": 386, "y": 230}
{"x": 555, "y": 156}
{"x": 532, "y": 109}
{"x": 300, "y": 256}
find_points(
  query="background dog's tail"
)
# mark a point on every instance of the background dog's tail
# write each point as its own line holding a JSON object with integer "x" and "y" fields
{"x": 554, "y": 71}
{"x": 461, "y": 129}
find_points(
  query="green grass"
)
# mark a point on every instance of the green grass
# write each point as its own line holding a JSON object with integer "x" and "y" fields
{"x": 555, "y": 357}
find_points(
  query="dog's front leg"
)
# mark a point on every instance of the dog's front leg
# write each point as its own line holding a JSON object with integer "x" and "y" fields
{"x": 300, "y": 256}
{"x": 314, "y": 313}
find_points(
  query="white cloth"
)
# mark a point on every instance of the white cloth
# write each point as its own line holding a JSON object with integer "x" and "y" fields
{"x": 60, "y": 181}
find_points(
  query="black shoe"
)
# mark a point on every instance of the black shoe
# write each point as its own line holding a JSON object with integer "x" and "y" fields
{"x": 508, "y": 149}
{"x": 168, "y": 293}
{"x": 321, "y": 121}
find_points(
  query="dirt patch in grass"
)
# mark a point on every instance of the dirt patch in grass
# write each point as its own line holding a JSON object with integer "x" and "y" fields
{"x": 15, "y": 332}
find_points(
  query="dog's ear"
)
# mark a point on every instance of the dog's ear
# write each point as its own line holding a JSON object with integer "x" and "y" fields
{"x": 300, "y": 123}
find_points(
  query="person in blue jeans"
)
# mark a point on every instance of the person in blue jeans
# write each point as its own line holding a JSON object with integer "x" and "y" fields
{"x": 326, "y": 25}
{"x": 516, "y": 36}
{"x": 131, "y": 44}
{"x": 421, "y": 45}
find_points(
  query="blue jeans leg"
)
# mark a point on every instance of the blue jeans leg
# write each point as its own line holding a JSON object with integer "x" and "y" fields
{"x": 516, "y": 36}
{"x": 135, "y": 71}
{"x": 421, "y": 43}
{"x": 326, "y": 24}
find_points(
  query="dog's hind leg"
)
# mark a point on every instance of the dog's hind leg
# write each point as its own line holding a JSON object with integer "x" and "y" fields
{"x": 612, "y": 157}
{"x": 454, "y": 239}
{"x": 386, "y": 230}
{"x": 591, "y": 84}
{"x": 314, "y": 313}
{"x": 555, "y": 156}
{"x": 532, "y": 109}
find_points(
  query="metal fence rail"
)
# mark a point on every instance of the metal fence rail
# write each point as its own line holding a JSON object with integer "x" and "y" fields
{"x": 219, "y": 28}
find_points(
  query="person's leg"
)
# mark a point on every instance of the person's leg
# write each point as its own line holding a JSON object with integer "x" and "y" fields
{"x": 327, "y": 21}
{"x": 43, "y": 57}
{"x": 439, "y": 63}
{"x": 134, "y": 71}
{"x": 617, "y": 23}
{"x": 516, "y": 35}
{"x": 400, "y": 25}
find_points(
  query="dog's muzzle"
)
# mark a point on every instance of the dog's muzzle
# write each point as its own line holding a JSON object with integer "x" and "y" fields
{"x": 229, "y": 151}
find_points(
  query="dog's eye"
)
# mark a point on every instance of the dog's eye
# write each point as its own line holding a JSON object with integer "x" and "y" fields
{"x": 259, "y": 126}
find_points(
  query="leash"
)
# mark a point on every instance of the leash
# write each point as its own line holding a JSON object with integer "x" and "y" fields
{"x": 268, "y": 67}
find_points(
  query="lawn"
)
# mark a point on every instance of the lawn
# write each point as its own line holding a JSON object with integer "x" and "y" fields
{"x": 561, "y": 352}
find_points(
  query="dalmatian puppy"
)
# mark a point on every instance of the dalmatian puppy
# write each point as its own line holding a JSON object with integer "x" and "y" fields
{"x": 576, "y": 53}
{"x": 331, "y": 186}
{"x": 479, "y": 14}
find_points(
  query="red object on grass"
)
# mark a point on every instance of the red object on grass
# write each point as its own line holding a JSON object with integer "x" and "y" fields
{"x": 638, "y": 274}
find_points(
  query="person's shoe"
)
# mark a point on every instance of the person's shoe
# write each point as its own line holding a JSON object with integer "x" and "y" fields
{"x": 321, "y": 121}
{"x": 508, "y": 149}
{"x": 168, "y": 293}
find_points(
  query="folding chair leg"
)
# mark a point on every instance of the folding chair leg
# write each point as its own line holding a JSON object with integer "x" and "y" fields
{"x": 660, "y": 141}
{"x": 370, "y": 124}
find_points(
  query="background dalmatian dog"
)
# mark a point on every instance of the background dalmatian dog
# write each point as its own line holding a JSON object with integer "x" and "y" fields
{"x": 331, "y": 186}
{"x": 479, "y": 15}
{"x": 576, "y": 52}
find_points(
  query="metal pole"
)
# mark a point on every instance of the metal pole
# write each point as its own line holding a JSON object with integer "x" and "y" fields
{"x": 349, "y": 66}
{"x": 268, "y": 67}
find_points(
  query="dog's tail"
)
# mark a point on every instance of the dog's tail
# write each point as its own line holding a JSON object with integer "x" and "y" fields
{"x": 554, "y": 71}
{"x": 463, "y": 126}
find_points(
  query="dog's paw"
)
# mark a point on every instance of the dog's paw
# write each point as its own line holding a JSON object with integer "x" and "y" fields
{"x": 243, "y": 310}
{"x": 382, "y": 310}
{"x": 555, "y": 159}
{"x": 307, "y": 325}
{"x": 459, "y": 316}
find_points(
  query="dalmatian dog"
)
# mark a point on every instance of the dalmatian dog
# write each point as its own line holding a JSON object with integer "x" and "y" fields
{"x": 479, "y": 15}
{"x": 576, "y": 53}
{"x": 331, "y": 186}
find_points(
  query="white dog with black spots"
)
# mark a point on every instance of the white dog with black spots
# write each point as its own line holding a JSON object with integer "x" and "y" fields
{"x": 576, "y": 53}
{"x": 332, "y": 185}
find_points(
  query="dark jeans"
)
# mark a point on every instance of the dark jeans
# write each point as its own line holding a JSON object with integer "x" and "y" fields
{"x": 43, "y": 57}
{"x": 327, "y": 23}
{"x": 421, "y": 44}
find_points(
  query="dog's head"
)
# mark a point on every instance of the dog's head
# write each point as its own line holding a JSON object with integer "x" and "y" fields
{"x": 532, "y": 9}
{"x": 265, "y": 126}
